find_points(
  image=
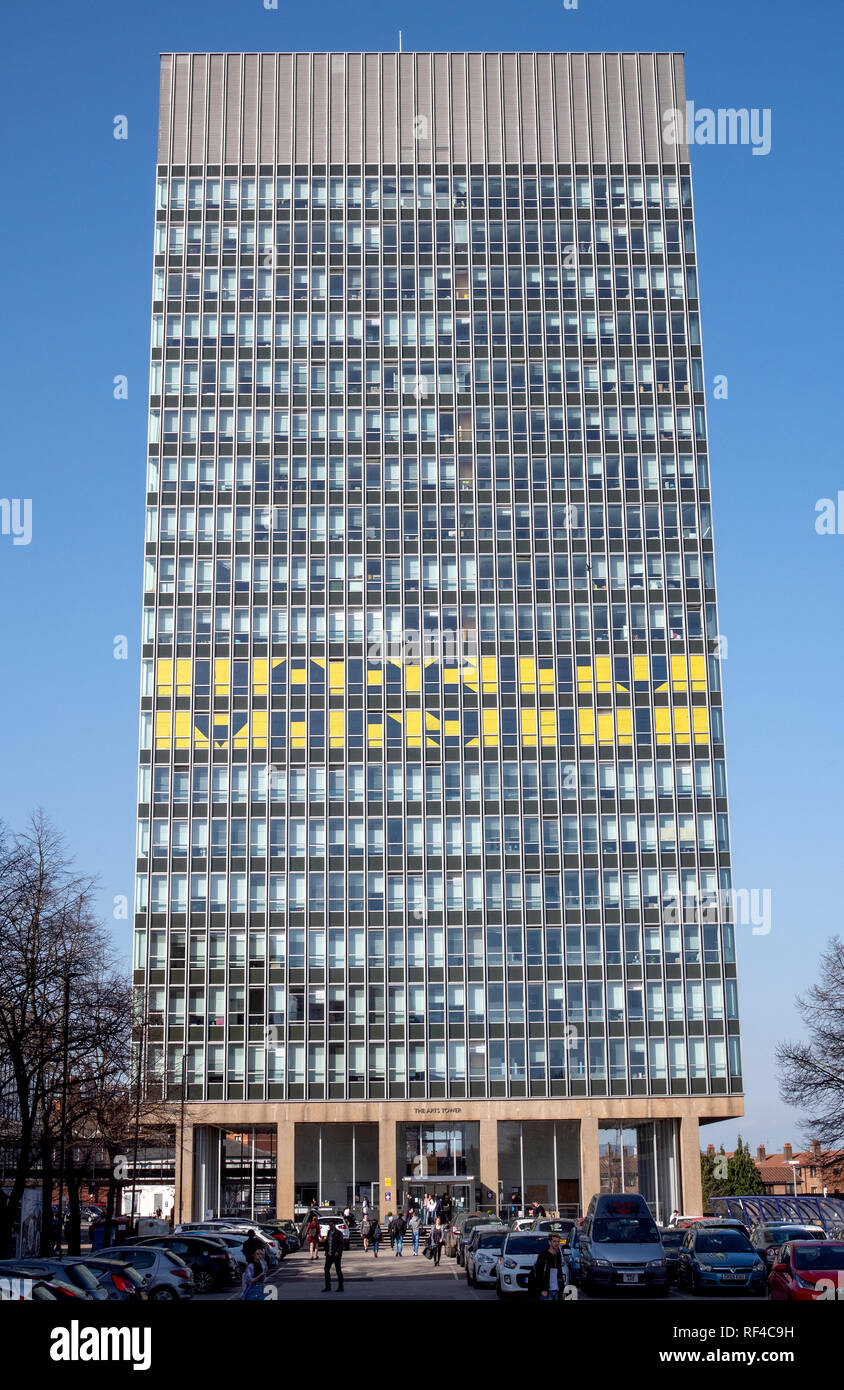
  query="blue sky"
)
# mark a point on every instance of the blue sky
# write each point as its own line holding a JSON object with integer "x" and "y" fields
{"x": 78, "y": 233}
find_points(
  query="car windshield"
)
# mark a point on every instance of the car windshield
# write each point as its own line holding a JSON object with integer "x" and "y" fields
{"x": 728, "y": 1242}
{"x": 826, "y": 1256}
{"x": 524, "y": 1244}
{"x": 490, "y": 1242}
{"x": 625, "y": 1230}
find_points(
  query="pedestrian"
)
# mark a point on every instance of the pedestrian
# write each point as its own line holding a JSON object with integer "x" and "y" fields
{"x": 391, "y": 1231}
{"x": 436, "y": 1240}
{"x": 399, "y": 1228}
{"x": 376, "y": 1236}
{"x": 348, "y": 1217}
{"x": 334, "y": 1256}
{"x": 675, "y": 1217}
{"x": 414, "y": 1225}
{"x": 312, "y": 1236}
{"x": 252, "y": 1282}
{"x": 551, "y": 1271}
{"x": 250, "y": 1245}
{"x": 365, "y": 1229}
{"x": 364, "y": 1207}
{"x": 446, "y": 1209}
{"x": 429, "y": 1210}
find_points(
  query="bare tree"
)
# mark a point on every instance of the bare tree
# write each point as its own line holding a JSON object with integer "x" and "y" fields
{"x": 812, "y": 1072}
{"x": 50, "y": 942}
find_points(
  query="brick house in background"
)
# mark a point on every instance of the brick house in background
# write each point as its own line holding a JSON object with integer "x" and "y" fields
{"x": 819, "y": 1169}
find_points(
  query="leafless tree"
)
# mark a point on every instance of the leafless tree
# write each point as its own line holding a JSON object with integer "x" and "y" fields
{"x": 812, "y": 1072}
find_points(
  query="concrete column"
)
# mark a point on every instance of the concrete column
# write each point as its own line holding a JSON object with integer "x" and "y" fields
{"x": 590, "y": 1162}
{"x": 489, "y": 1158}
{"x": 691, "y": 1190}
{"x": 285, "y": 1189}
{"x": 387, "y": 1174}
{"x": 183, "y": 1203}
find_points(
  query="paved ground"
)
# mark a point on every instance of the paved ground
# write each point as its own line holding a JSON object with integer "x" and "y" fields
{"x": 386, "y": 1279}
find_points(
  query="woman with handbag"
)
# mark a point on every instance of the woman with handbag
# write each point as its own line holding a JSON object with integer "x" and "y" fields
{"x": 436, "y": 1240}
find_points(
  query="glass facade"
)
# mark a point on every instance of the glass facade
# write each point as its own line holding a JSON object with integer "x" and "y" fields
{"x": 432, "y": 795}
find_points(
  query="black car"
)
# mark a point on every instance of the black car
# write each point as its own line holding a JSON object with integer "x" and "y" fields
{"x": 119, "y": 1278}
{"x": 209, "y": 1260}
{"x": 75, "y": 1273}
{"x": 672, "y": 1239}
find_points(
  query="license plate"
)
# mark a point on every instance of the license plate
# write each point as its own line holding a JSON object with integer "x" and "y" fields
{"x": 732, "y": 1278}
{"x": 630, "y": 1278}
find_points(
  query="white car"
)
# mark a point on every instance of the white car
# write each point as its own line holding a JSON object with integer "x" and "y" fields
{"x": 519, "y": 1254}
{"x": 327, "y": 1219}
{"x": 484, "y": 1247}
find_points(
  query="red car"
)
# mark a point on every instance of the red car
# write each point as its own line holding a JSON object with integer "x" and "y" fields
{"x": 808, "y": 1270}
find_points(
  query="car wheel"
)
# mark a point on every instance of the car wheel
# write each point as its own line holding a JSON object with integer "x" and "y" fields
{"x": 204, "y": 1280}
{"x": 163, "y": 1296}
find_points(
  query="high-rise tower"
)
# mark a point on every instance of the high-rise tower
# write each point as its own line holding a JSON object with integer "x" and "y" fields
{"x": 433, "y": 860}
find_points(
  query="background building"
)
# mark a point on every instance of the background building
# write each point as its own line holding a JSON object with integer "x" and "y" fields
{"x": 433, "y": 859}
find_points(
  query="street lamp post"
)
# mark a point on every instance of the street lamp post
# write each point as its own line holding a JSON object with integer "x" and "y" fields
{"x": 65, "y": 1049}
{"x": 794, "y": 1164}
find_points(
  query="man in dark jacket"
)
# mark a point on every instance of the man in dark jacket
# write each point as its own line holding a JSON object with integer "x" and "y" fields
{"x": 333, "y": 1256}
{"x": 399, "y": 1228}
{"x": 550, "y": 1273}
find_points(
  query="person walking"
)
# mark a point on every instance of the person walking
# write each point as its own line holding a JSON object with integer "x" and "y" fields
{"x": 436, "y": 1240}
{"x": 364, "y": 1208}
{"x": 312, "y": 1236}
{"x": 376, "y": 1235}
{"x": 447, "y": 1209}
{"x": 252, "y": 1281}
{"x": 399, "y": 1228}
{"x": 391, "y": 1230}
{"x": 551, "y": 1271}
{"x": 365, "y": 1230}
{"x": 414, "y": 1225}
{"x": 333, "y": 1256}
{"x": 430, "y": 1209}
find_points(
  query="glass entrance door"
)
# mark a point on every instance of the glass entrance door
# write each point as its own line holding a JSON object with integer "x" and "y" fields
{"x": 460, "y": 1191}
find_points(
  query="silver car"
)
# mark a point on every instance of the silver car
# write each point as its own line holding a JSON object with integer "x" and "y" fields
{"x": 166, "y": 1276}
{"x": 482, "y": 1251}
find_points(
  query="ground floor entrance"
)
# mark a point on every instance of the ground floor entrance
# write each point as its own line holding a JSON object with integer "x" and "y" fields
{"x": 267, "y": 1159}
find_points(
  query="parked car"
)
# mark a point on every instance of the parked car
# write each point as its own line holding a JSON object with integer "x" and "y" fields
{"x": 769, "y": 1239}
{"x": 234, "y": 1236}
{"x": 672, "y": 1238}
{"x": 291, "y": 1233}
{"x": 808, "y": 1270}
{"x": 620, "y": 1245}
{"x": 520, "y": 1223}
{"x": 466, "y": 1223}
{"x": 519, "y": 1253}
{"x": 719, "y": 1258}
{"x": 723, "y": 1223}
{"x": 24, "y": 1285}
{"x": 206, "y": 1256}
{"x": 561, "y": 1224}
{"x": 573, "y": 1255}
{"x": 330, "y": 1218}
{"x": 165, "y": 1274}
{"x": 483, "y": 1247}
{"x": 119, "y": 1278}
{"x": 74, "y": 1273}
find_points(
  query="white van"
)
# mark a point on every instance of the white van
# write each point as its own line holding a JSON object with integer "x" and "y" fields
{"x": 620, "y": 1246}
